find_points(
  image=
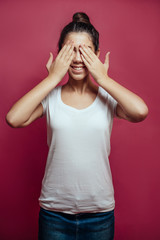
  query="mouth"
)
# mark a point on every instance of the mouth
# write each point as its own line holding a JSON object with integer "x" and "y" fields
{"x": 78, "y": 69}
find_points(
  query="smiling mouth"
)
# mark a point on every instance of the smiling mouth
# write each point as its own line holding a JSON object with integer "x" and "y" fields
{"x": 78, "y": 68}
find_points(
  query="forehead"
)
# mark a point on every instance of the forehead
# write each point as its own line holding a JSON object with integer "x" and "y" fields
{"x": 79, "y": 38}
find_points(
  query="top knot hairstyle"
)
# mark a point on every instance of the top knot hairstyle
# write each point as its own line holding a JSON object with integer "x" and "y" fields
{"x": 80, "y": 23}
{"x": 81, "y": 17}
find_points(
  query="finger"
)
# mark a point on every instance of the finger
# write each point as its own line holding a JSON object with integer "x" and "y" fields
{"x": 107, "y": 58}
{"x": 84, "y": 54}
{"x": 89, "y": 52}
{"x": 63, "y": 49}
{"x": 71, "y": 58}
{"x": 106, "y": 62}
{"x": 65, "y": 52}
{"x": 69, "y": 53}
{"x": 49, "y": 61}
{"x": 85, "y": 61}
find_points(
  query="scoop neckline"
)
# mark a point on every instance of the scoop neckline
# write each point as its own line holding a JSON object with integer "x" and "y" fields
{"x": 76, "y": 109}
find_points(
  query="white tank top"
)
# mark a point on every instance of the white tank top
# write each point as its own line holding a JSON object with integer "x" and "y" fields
{"x": 77, "y": 175}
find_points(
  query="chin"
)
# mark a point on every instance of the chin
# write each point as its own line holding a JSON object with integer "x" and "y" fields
{"x": 78, "y": 77}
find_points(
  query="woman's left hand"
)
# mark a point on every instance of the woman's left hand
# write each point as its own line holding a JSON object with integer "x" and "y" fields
{"x": 97, "y": 69}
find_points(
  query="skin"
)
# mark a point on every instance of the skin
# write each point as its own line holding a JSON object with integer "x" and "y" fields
{"x": 79, "y": 39}
{"x": 79, "y": 92}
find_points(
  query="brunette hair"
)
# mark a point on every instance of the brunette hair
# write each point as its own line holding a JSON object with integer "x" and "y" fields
{"x": 80, "y": 23}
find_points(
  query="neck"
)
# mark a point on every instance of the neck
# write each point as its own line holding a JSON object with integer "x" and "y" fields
{"x": 79, "y": 86}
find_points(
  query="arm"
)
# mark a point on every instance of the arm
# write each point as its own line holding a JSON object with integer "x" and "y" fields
{"x": 130, "y": 106}
{"x": 29, "y": 107}
{"x": 22, "y": 111}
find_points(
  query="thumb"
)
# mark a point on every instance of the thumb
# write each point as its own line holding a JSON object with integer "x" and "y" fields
{"x": 107, "y": 58}
{"x": 49, "y": 61}
{"x": 106, "y": 62}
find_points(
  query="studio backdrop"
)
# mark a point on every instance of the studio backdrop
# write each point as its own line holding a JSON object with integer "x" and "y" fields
{"x": 130, "y": 31}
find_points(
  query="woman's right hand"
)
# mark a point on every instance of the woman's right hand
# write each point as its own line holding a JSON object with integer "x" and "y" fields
{"x": 59, "y": 67}
{"x": 25, "y": 110}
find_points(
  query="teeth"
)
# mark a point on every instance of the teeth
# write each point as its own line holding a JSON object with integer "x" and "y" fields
{"x": 77, "y": 68}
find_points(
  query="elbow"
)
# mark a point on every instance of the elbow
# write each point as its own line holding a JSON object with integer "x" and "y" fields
{"x": 141, "y": 114}
{"x": 11, "y": 121}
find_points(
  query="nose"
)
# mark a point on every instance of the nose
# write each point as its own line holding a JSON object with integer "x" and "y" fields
{"x": 77, "y": 57}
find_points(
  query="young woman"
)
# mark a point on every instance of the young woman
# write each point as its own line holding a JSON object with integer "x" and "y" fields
{"x": 77, "y": 195}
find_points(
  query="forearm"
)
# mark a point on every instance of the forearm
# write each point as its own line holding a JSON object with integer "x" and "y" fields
{"x": 25, "y": 106}
{"x": 132, "y": 105}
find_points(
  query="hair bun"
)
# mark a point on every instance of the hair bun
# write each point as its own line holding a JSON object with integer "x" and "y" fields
{"x": 81, "y": 17}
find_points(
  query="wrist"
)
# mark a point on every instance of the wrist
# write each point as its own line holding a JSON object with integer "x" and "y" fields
{"x": 102, "y": 79}
{"x": 53, "y": 78}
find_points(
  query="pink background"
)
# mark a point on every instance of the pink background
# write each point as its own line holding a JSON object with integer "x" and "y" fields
{"x": 130, "y": 31}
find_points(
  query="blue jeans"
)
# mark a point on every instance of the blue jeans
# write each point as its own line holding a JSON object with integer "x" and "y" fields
{"x": 81, "y": 226}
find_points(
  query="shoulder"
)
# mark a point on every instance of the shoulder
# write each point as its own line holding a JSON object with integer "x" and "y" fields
{"x": 54, "y": 92}
{"x": 56, "y": 89}
{"x": 108, "y": 99}
{"x": 51, "y": 95}
{"x": 105, "y": 94}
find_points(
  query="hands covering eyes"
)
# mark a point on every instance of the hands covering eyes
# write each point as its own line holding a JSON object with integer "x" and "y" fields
{"x": 92, "y": 62}
{"x": 60, "y": 65}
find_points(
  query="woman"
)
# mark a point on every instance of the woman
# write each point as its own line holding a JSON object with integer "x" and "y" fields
{"x": 77, "y": 195}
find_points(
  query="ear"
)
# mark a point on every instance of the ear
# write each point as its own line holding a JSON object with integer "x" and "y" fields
{"x": 98, "y": 52}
